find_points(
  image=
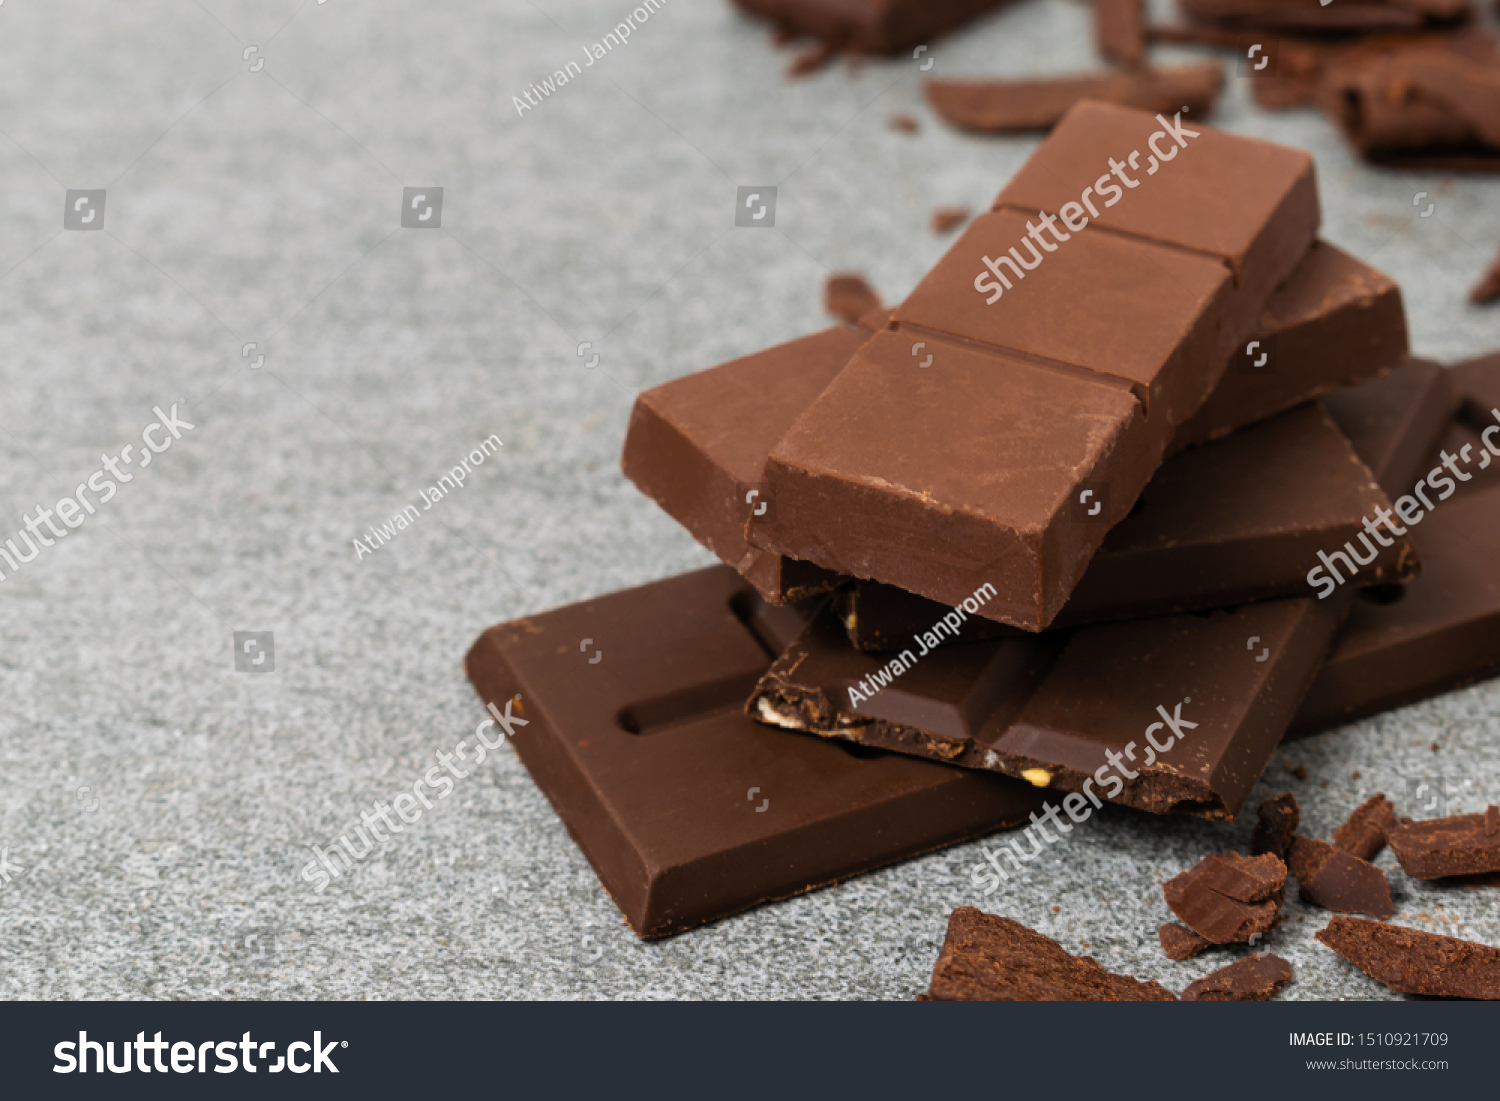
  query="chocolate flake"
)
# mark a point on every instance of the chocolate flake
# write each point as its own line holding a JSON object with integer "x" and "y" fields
{"x": 1335, "y": 880}
{"x": 1179, "y": 942}
{"x": 1253, "y": 979}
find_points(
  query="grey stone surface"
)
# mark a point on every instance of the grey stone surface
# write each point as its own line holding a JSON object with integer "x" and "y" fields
{"x": 264, "y": 207}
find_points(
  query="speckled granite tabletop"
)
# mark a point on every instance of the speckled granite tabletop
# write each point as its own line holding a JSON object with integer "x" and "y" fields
{"x": 156, "y": 805}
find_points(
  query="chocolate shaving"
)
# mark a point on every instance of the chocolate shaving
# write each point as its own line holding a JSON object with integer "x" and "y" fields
{"x": 1363, "y": 836}
{"x": 1465, "y": 844}
{"x": 1335, "y": 880}
{"x": 1253, "y": 979}
{"x": 988, "y": 958}
{"x": 1414, "y": 962}
{"x": 1227, "y": 898}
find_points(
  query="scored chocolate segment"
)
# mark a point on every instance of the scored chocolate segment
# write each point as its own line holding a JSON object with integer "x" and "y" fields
{"x": 988, "y": 958}
{"x": 1174, "y": 714}
{"x": 687, "y": 810}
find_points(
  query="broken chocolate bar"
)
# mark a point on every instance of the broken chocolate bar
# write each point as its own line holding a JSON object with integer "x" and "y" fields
{"x": 869, "y": 26}
{"x": 1363, "y": 835}
{"x": 646, "y": 755}
{"x": 1181, "y": 943}
{"x": 1227, "y": 898}
{"x": 1095, "y": 712}
{"x": 987, "y": 958}
{"x": 1035, "y": 471}
{"x": 1037, "y": 103}
{"x": 1236, "y": 521}
{"x": 1120, "y": 32}
{"x": 1276, "y": 824}
{"x": 1252, "y": 979}
{"x": 1464, "y": 844}
{"x": 1414, "y": 962}
{"x": 1335, "y": 880}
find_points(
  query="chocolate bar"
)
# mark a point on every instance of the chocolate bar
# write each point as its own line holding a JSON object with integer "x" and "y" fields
{"x": 1236, "y": 521}
{"x": 1442, "y": 630}
{"x": 692, "y": 450}
{"x": 1227, "y": 898}
{"x": 1335, "y": 880}
{"x": 1414, "y": 962}
{"x": 631, "y": 722}
{"x": 1070, "y": 710}
{"x": 1037, "y": 103}
{"x": 1464, "y": 844}
{"x": 869, "y": 26}
{"x": 988, "y": 958}
{"x": 1034, "y": 472}
{"x": 1252, "y": 979}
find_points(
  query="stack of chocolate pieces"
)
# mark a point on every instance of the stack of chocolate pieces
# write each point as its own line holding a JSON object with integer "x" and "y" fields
{"x": 1067, "y": 526}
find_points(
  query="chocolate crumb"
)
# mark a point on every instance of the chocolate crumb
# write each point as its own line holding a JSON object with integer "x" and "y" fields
{"x": 1299, "y": 772}
{"x": 905, "y": 122}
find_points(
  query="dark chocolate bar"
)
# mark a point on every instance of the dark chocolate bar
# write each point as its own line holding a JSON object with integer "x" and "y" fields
{"x": 1036, "y": 103}
{"x": 687, "y": 810}
{"x": 1238, "y": 520}
{"x": 1105, "y": 341}
{"x": 1414, "y": 962}
{"x": 869, "y": 26}
{"x": 988, "y": 958}
{"x": 1071, "y": 709}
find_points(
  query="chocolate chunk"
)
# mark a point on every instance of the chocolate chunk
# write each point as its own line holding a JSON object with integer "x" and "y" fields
{"x": 1336, "y": 880}
{"x": 1179, "y": 942}
{"x": 687, "y": 810}
{"x": 1464, "y": 844}
{"x": 1037, "y": 103}
{"x": 1413, "y": 962}
{"x": 848, "y": 296}
{"x": 988, "y": 958}
{"x": 1120, "y": 31}
{"x": 1227, "y": 898}
{"x": 1252, "y": 979}
{"x": 1368, "y": 15}
{"x": 1420, "y": 106}
{"x": 859, "y": 487}
{"x": 1363, "y": 836}
{"x": 945, "y": 219}
{"x": 869, "y": 26}
{"x": 1276, "y": 823}
{"x": 1488, "y": 287}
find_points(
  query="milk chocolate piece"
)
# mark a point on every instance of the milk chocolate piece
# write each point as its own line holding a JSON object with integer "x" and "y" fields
{"x": 1335, "y": 880}
{"x": 1419, "y": 107}
{"x": 988, "y": 958}
{"x": 1363, "y": 835}
{"x": 1037, "y": 103}
{"x": 1488, "y": 288}
{"x": 1078, "y": 711}
{"x": 1275, "y": 826}
{"x": 848, "y": 296}
{"x": 686, "y": 809}
{"x": 1227, "y": 898}
{"x": 1179, "y": 942}
{"x": 1120, "y": 32}
{"x": 869, "y": 26}
{"x": 1035, "y": 470}
{"x": 1252, "y": 979}
{"x": 1239, "y": 520}
{"x": 1414, "y": 962}
{"x": 1464, "y": 844}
